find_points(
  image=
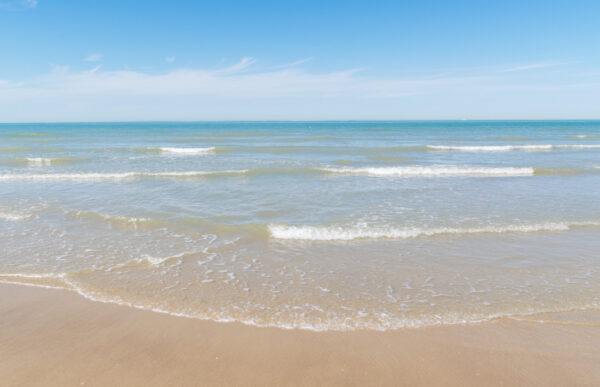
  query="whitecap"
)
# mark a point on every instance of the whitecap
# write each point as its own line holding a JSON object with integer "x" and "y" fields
{"x": 112, "y": 176}
{"x": 187, "y": 151}
{"x": 433, "y": 171}
{"x": 506, "y": 148}
{"x": 13, "y": 217}
{"x": 39, "y": 161}
{"x": 330, "y": 233}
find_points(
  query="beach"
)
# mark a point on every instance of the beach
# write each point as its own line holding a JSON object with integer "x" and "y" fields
{"x": 52, "y": 337}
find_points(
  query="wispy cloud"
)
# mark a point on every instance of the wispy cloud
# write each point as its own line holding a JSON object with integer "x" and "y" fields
{"x": 290, "y": 92}
{"x": 95, "y": 69}
{"x": 170, "y": 59}
{"x": 295, "y": 63}
{"x": 18, "y": 4}
{"x": 211, "y": 89}
{"x": 241, "y": 65}
{"x": 93, "y": 57}
{"x": 531, "y": 66}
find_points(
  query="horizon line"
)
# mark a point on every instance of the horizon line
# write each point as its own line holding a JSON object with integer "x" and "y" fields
{"x": 307, "y": 121}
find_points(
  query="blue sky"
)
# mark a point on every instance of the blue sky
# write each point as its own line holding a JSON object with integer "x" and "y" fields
{"x": 298, "y": 60}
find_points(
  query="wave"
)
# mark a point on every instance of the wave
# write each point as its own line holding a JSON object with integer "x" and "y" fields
{"x": 39, "y": 161}
{"x": 306, "y": 149}
{"x": 404, "y": 171}
{"x": 181, "y": 151}
{"x": 506, "y": 148}
{"x": 376, "y": 151}
{"x": 33, "y": 275}
{"x": 12, "y": 217}
{"x": 114, "y": 176}
{"x": 377, "y": 321}
{"x": 42, "y": 280}
{"x": 433, "y": 171}
{"x": 157, "y": 261}
{"x": 580, "y": 146}
{"x": 47, "y": 161}
{"x": 332, "y": 233}
{"x": 586, "y": 136}
{"x": 187, "y": 151}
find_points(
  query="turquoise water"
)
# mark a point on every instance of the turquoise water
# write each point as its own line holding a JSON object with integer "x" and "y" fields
{"x": 320, "y": 225}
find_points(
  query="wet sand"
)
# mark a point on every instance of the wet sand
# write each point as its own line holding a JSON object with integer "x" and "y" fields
{"x": 54, "y": 337}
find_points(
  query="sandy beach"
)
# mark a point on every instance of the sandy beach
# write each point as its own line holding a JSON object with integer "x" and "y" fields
{"x": 54, "y": 337}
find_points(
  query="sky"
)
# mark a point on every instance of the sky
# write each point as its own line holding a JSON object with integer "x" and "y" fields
{"x": 298, "y": 60}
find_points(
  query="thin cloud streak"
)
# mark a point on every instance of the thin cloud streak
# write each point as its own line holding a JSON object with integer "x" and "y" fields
{"x": 227, "y": 83}
{"x": 93, "y": 57}
{"x": 293, "y": 64}
{"x": 18, "y": 4}
{"x": 533, "y": 66}
{"x": 241, "y": 65}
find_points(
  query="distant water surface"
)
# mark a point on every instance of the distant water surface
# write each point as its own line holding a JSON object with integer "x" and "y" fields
{"x": 316, "y": 225}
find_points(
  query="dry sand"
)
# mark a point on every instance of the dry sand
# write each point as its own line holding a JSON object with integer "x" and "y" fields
{"x": 57, "y": 338}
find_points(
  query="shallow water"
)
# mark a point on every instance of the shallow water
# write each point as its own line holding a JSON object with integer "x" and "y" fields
{"x": 339, "y": 225}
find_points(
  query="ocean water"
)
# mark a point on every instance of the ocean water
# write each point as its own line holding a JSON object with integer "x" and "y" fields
{"x": 316, "y": 225}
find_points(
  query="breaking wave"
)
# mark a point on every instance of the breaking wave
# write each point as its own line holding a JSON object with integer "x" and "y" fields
{"x": 397, "y": 171}
{"x": 12, "y": 217}
{"x": 432, "y": 171}
{"x": 48, "y": 161}
{"x": 113, "y": 176}
{"x": 187, "y": 151}
{"x": 506, "y": 148}
{"x": 341, "y": 233}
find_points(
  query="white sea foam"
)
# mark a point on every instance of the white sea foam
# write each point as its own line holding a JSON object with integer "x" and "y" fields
{"x": 12, "y": 217}
{"x": 112, "y": 176}
{"x": 188, "y": 151}
{"x": 433, "y": 171}
{"x": 506, "y": 148}
{"x": 48, "y": 161}
{"x": 381, "y": 321}
{"x": 157, "y": 261}
{"x": 34, "y": 275}
{"x": 580, "y": 146}
{"x": 329, "y": 233}
{"x": 39, "y": 161}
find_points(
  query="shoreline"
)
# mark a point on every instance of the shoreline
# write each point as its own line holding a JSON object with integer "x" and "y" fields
{"x": 57, "y": 337}
{"x": 498, "y": 317}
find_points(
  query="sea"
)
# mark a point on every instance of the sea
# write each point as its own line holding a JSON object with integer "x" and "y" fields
{"x": 308, "y": 225}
